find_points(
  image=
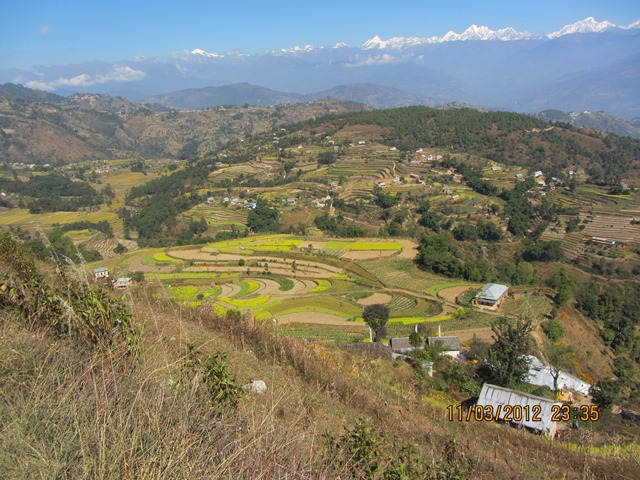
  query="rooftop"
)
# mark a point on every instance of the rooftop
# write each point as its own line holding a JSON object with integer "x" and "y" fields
{"x": 492, "y": 292}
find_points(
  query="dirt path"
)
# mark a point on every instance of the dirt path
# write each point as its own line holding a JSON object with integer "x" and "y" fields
{"x": 229, "y": 289}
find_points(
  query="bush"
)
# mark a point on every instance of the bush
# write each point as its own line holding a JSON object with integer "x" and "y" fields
{"x": 553, "y": 329}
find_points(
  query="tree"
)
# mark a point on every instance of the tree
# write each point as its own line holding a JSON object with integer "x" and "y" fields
{"x": 506, "y": 364}
{"x": 376, "y": 317}
{"x": 560, "y": 357}
{"x": 263, "y": 218}
{"x": 564, "y": 284}
{"x": 415, "y": 340}
{"x": 605, "y": 393}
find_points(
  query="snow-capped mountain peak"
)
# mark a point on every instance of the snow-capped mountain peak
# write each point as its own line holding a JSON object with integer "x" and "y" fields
{"x": 199, "y": 51}
{"x": 474, "y": 32}
{"x": 635, "y": 24}
{"x": 588, "y": 25}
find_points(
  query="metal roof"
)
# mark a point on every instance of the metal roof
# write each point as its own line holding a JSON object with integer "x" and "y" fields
{"x": 492, "y": 292}
{"x": 401, "y": 344}
{"x": 540, "y": 374}
{"x": 450, "y": 343}
{"x": 500, "y": 397}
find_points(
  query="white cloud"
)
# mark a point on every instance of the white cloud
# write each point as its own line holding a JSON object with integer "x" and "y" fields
{"x": 118, "y": 74}
{"x": 46, "y": 30}
{"x": 377, "y": 60}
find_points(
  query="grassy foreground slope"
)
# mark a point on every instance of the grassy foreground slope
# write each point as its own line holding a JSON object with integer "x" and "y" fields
{"x": 166, "y": 403}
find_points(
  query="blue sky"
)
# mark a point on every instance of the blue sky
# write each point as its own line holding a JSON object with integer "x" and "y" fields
{"x": 60, "y": 32}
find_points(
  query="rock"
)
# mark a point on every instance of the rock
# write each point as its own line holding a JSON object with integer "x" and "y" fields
{"x": 257, "y": 386}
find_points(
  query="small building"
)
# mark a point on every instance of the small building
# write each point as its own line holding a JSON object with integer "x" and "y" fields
{"x": 381, "y": 184}
{"x": 530, "y": 411}
{"x": 291, "y": 201}
{"x": 520, "y": 177}
{"x": 538, "y": 173}
{"x": 496, "y": 168}
{"x": 543, "y": 375}
{"x": 122, "y": 283}
{"x": 491, "y": 295}
{"x": 451, "y": 344}
{"x": 603, "y": 242}
{"x": 402, "y": 345}
{"x": 361, "y": 142}
{"x": 101, "y": 274}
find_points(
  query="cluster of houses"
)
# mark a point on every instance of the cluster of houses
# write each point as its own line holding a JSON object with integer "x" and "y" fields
{"x": 500, "y": 400}
{"x": 250, "y": 204}
{"x": 101, "y": 277}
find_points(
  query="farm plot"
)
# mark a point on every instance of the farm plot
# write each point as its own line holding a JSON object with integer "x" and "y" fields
{"x": 614, "y": 227}
{"x": 383, "y": 298}
{"x": 401, "y": 273}
{"x": 22, "y": 217}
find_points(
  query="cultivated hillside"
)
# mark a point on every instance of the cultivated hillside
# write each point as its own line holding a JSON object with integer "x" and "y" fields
{"x": 158, "y": 395}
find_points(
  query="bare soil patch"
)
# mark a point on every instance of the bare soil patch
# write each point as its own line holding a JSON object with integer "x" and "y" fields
{"x": 376, "y": 298}
{"x": 268, "y": 287}
{"x": 450, "y": 294}
{"x": 483, "y": 333}
{"x": 409, "y": 249}
{"x": 368, "y": 254}
{"x": 229, "y": 289}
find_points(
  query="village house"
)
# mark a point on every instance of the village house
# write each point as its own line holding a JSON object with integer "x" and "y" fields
{"x": 491, "y": 295}
{"x": 101, "y": 274}
{"x": 122, "y": 283}
{"x": 543, "y": 375}
{"x": 451, "y": 345}
{"x": 503, "y": 401}
{"x": 603, "y": 242}
{"x": 403, "y": 345}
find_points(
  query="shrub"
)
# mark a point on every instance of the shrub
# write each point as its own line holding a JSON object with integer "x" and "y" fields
{"x": 553, "y": 329}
